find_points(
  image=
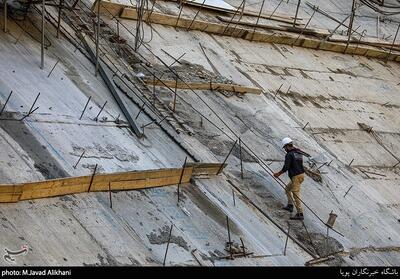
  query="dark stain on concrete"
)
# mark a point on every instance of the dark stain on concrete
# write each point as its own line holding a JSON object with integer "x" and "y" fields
{"x": 45, "y": 163}
{"x": 162, "y": 238}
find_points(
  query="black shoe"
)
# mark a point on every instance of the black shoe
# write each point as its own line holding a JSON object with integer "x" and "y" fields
{"x": 289, "y": 207}
{"x": 298, "y": 216}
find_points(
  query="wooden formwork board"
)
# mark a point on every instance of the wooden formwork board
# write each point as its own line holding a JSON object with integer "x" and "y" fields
{"x": 133, "y": 180}
{"x": 278, "y": 37}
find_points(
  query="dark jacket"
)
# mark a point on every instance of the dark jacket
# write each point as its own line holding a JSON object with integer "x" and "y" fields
{"x": 294, "y": 162}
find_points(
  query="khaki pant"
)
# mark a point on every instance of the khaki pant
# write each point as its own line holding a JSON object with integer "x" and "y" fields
{"x": 294, "y": 187}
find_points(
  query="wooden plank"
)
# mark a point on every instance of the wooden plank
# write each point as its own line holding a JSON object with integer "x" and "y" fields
{"x": 308, "y": 31}
{"x": 206, "y": 169}
{"x": 279, "y": 37}
{"x": 133, "y": 180}
{"x": 109, "y": 8}
{"x": 115, "y": 9}
{"x": 205, "y": 86}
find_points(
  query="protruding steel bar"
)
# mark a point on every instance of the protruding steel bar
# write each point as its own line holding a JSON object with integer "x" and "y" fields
{"x": 297, "y": 11}
{"x": 277, "y": 91}
{"x": 243, "y": 248}
{"x": 361, "y": 36}
{"x": 226, "y": 158}
{"x": 273, "y": 11}
{"x": 42, "y": 42}
{"x": 322, "y": 165}
{"x": 348, "y": 191}
{"x": 175, "y": 91}
{"x": 179, "y": 15}
{"x": 258, "y": 18}
{"x": 309, "y": 237}
{"x": 304, "y": 28}
{"x": 353, "y": 10}
{"x": 8, "y": 98}
{"x": 97, "y": 37}
{"x": 169, "y": 240}
{"x": 234, "y": 14}
{"x": 97, "y": 116}
{"x": 91, "y": 179}
{"x": 34, "y": 102}
{"x": 29, "y": 114}
{"x": 52, "y": 69}
{"x": 154, "y": 89}
{"x": 140, "y": 110}
{"x": 190, "y": 25}
{"x": 176, "y": 60}
{"x": 287, "y": 238}
{"x": 5, "y": 15}
{"x": 229, "y": 237}
{"x": 241, "y": 159}
{"x": 394, "y": 40}
{"x": 110, "y": 195}
{"x": 59, "y": 18}
{"x": 80, "y": 157}
{"x": 85, "y": 107}
{"x": 180, "y": 179}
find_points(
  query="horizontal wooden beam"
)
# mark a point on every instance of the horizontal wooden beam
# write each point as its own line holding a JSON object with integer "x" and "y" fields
{"x": 134, "y": 180}
{"x": 205, "y": 86}
{"x": 278, "y": 37}
{"x": 116, "y": 8}
{"x": 308, "y": 31}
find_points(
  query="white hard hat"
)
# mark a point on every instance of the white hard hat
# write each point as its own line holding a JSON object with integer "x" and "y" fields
{"x": 286, "y": 141}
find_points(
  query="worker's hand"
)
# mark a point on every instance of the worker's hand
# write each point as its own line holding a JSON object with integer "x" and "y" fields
{"x": 276, "y": 174}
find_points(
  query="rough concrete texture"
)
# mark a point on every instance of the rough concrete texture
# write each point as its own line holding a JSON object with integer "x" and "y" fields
{"x": 329, "y": 91}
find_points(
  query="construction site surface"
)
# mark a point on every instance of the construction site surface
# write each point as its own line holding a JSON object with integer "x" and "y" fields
{"x": 147, "y": 133}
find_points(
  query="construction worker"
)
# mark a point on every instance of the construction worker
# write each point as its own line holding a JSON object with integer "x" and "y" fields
{"x": 293, "y": 164}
